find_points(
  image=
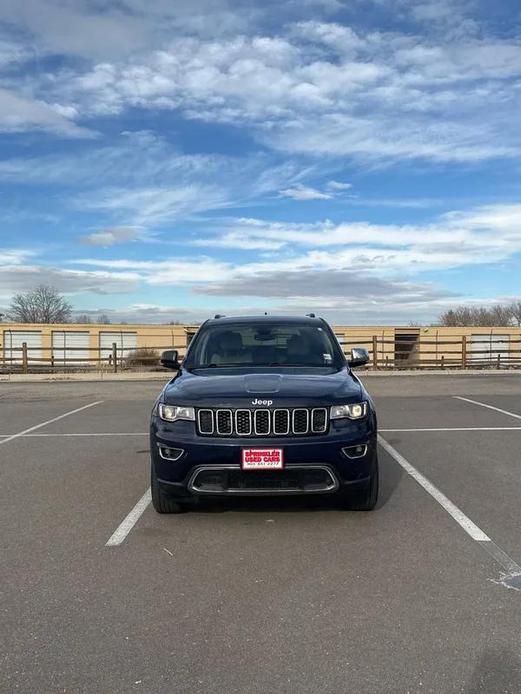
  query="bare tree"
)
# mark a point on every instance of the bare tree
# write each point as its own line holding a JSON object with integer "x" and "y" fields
{"x": 83, "y": 318}
{"x": 44, "y": 304}
{"x": 515, "y": 308}
{"x": 103, "y": 319}
{"x": 499, "y": 315}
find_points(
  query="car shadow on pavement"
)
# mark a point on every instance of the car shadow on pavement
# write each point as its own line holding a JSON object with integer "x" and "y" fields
{"x": 498, "y": 671}
{"x": 390, "y": 475}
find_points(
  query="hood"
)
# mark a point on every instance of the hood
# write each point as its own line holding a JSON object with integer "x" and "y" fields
{"x": 211, "y": 389}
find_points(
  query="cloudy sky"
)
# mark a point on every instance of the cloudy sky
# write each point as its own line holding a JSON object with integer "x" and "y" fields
{"x": 168, "y": 160}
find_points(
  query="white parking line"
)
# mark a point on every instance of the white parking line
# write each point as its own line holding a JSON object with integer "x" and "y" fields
{"x": 146, "y": 433}
{"x": 49, "y": 421}
{"x": 457, "y": 429}
{"x": 92, "y": 433}
{"x": 463, "y": 520}
{"x": 489, "y": 407}
{"x": 130, "y": 520}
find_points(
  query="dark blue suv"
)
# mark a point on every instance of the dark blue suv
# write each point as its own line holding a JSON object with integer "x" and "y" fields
{"x": 263, "y": 406}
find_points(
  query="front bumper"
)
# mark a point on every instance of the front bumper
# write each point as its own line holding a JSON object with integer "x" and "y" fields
{"x": 230, "y": 480}
{"x": 223, "y": 455}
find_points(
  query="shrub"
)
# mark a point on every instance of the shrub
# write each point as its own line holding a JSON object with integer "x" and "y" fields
{"x": 144, "y": 356}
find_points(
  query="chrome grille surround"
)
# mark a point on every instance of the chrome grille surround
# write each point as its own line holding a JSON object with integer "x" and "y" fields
{"x": 300, "y": 421}
{"x": 243, "y": 422}
{"x": 319, "y": 420}
{"x": 261, "y": 422}
{"x": 285, "y": 416}
{"x": 205, "y": 422}
{"x": 221, "y": 486}
{"x": 224, "y": 422}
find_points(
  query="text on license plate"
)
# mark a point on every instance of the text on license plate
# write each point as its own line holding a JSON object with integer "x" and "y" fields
{"x": 262, "y": 459}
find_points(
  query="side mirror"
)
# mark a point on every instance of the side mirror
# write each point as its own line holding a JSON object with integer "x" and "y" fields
{"x": 359, "y": 357}
{"x": 170, "y": 359}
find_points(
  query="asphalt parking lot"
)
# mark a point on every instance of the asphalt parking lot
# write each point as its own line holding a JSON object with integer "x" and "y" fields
{"x": 99, "y": 594}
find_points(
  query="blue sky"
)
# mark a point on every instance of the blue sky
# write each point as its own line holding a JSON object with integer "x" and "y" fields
{"x": 168, "y": 160}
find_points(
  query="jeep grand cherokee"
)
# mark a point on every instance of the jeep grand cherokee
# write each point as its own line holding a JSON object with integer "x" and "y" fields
{"x": 263, "y": 406}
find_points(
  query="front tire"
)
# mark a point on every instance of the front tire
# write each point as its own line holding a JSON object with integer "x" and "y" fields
{"x": 364, "y": 499}
{"x": 162, "y": 501}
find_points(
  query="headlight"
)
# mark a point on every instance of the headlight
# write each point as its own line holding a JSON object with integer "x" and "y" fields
{"x": 171, "y": 413}
{"x": 356, "y": 410}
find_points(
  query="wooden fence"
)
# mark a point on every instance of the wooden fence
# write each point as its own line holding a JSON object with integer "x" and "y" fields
{"x": 384, "y": 353}
{"x": 433, "y": 352}
{"x": 27, "y": 359}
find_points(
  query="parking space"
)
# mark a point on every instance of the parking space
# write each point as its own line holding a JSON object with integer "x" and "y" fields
{"x": 19, "y": 416}
{"x": 285, "y": 595}
{"x": 442, "y": 411}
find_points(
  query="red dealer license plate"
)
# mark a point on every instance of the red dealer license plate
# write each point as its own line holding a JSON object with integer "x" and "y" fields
{"x": 262, "y": 459}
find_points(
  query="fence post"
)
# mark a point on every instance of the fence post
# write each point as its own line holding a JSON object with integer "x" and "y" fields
{"x": 115, "y": 357}
{"x": 464, "y": 351}
{"x": 375, "y": 353}
{"x": 25, "y": 368}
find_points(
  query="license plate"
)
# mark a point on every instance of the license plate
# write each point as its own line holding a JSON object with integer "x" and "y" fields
{"x": 262, "y": 459}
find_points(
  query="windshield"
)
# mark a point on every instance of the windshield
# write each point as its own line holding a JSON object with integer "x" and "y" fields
{"x": 262, "y": 344}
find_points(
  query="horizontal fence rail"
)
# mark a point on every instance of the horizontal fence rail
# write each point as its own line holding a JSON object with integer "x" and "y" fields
{"x": 116, "y": 358}
{"x": 384, "y": 353}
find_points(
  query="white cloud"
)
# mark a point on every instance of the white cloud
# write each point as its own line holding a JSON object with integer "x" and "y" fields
{"x": 446, "y": 94}
{"x": 383, "y": 252}
{"x": 170, "y": 271}
{"x": 238, "y": 241}
{"x": 77, "y": 29}
{"x": 22, "y": 277}
{"x": 141, "y": 179}
{"x": 111, "y": 237}
{"x": 300, "y": 192}
{"x": 18, "y": 113}
{"x": 326, "y": 266}
{"x": 342, "y": 39}
{"x": 11, "y": 52}
{"x": 140, "y": 313}
{"x": 339, "y": 185}
{"x": 325, "y": 288}
{"x": 14, "y": 256}
{"x": 322, "y": 88}
{"x": 482, "y": 235}
{"x": 155, "y": 206}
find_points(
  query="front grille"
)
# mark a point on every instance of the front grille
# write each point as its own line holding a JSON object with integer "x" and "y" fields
{"x": 260, "y": 422}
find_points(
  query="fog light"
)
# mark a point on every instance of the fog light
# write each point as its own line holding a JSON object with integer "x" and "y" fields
{"x": 168, "y": 453}
{"x": 355, "y": 451}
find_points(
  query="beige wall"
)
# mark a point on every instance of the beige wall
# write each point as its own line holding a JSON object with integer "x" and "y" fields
{"x": 428, "y": 339}
{"x": 147, "y": 335}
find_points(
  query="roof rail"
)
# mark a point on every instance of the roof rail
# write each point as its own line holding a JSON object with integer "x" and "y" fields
{"x": 219, "y": 315}
{"x": 310, "y": 315}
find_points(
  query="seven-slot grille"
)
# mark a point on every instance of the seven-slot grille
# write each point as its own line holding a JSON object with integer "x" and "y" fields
{"x": 262, "y": 422}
